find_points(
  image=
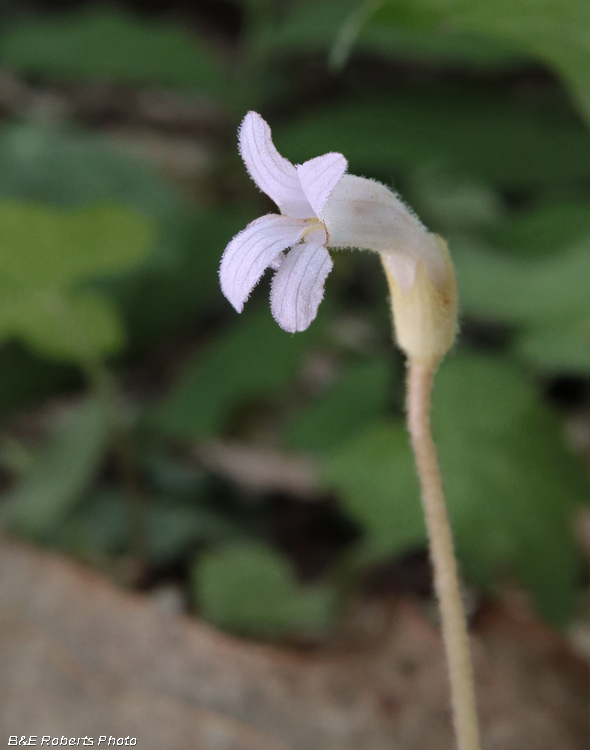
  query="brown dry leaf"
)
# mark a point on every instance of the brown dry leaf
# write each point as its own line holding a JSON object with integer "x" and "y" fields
{"x": 79, "y": 657}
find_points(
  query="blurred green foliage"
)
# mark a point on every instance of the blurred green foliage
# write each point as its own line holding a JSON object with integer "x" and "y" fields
{"x": 250, "y": 588}
{"x": 511, "y": 483}
{"x": 59, "y": 473}
{"x": 359, "y": 397}
{"x": 495, "y": 138}
{"x": 47, "y": 254}
{"x": 556, "y": 32}
{"x": 471, "y": 110}
{"x": 368, "y": 27}
{"x": 553, "y": 334}
{"x": 109, "y": 44}
{"x": 235, "y": 368}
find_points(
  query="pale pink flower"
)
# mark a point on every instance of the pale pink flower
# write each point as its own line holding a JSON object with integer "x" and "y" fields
{"x": 321, "y": 206}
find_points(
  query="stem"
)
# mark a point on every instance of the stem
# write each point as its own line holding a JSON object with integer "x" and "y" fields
{"x": 454, "y": 626}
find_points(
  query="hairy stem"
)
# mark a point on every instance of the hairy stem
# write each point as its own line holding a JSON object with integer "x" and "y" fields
{"x": 454, "y": 626}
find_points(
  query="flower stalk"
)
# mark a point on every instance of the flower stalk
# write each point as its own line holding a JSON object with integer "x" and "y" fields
{"x": 323, "y": 208}
{"x": 425, "y": 322}
{"x": 453, "y": 622}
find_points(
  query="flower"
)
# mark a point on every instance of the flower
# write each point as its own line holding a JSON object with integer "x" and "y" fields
{"x": 300, "y": 193}
{"x": 321, "y": 207}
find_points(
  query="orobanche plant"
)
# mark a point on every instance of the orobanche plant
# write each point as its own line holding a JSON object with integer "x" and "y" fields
{"x": 324, "y": 207}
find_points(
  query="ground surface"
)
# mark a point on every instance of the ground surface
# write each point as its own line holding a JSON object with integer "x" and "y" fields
{"x": 80, "y": 657}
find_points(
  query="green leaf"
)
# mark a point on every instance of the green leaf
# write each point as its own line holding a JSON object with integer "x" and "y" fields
{"x": 518, "y": 290}
{"x": 562, "y": 347}
{"x": 45, "y": 247}
{"x": 61, "y": 473}
{"x": 457, "y": 202}
{"x": 26, "y": 379}
{"x": 47, "y": 252}
{"x": 309, "y": 26}
{"x": 358, "y": 398}
{"x": 510, "y": 483}
{"x": 495, "y": 139}
{"x": 73, "y": 327}
{"x": 175, "y": 528}
{"x": 440, "y": 46}
{"x": 555, "y": 32}
{"x": 106, "y": 43}
{"x": 551, "y": 228}
{"x": 179, "y": 277}
{"x": 67, "y": 167}
{"x": 169, "y": 292}
{"x": 99, "y": 526}
{"x": 253, "y": 359}
{"x": 510, "y": 480}
{"x": 547, "y": 299}
{"x": 375, "y": 477}
{"x": 250, "y": 588}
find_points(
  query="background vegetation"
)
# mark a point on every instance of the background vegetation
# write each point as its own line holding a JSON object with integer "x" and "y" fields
{"x": 133, "y": 396}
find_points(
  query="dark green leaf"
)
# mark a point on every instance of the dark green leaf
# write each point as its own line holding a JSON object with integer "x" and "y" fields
{"x": 310, "y": 26}
{"x": 253, "y": 360}
{"x": 182, "y": 280}
{"x": 61, "y": 473}
{"x": 511, "y": 485}
{"x": 99, "y": 527}
{"x": 497, "y": 139}
{"x": 556, "y": 33}
{"x": 562, "y": 348}
{"x": 522, "y": 290}
{"x": 547, "y": 299}
{"x": 375, "y": 477}
{"x": 358, "y": 398}
{"x": 175, "y": 528}
{"x": 548, "y": 229}
{"x": 73, "y": 168}
{"x": 106, "y": 43}
{"x": 26, "y": 378}
{"x": 450, "y": 201}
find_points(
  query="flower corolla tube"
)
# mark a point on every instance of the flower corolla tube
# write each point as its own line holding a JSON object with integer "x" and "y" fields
{"x": 321, "y": 207}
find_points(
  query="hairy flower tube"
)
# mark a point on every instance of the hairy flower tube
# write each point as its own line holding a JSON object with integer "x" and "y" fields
{"x": 321, "y": 207}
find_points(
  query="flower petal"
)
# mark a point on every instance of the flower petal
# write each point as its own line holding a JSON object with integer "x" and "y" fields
{"x": 298, "y": 286}
{"x": 252, "y": 251}
{"x": 273, "y": 174}
{"x": 365, "y": 214}
{"x": 319, "y": 177}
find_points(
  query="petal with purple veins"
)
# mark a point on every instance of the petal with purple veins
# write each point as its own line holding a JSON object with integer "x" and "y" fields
{"x": 319, "y": 177}
{"x": 252, "y": 251}
{"x": 298, "y": 286}
{"x": 273, "y": 174}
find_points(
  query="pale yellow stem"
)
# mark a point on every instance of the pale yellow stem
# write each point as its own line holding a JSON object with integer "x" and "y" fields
{"x": 453, "y": 622}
